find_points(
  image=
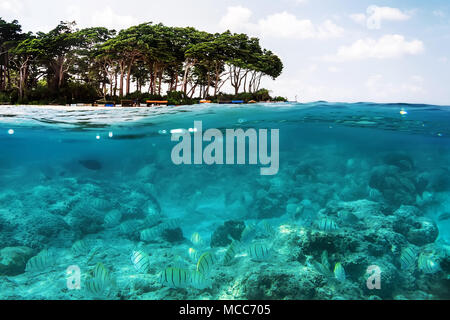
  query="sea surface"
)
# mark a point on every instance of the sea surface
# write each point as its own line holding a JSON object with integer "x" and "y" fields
{"x": 93, "y": 207}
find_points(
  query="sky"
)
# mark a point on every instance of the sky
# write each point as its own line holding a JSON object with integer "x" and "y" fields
{"x": 333, "y": 50}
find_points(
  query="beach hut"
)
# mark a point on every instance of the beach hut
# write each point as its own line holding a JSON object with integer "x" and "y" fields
{"x": 128, "y": 103}
{"x": 151, "y": 103}
{"x": 105, "y": 103}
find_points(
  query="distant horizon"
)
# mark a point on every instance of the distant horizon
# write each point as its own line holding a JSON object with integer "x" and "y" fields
{"x": 373, "y": 51}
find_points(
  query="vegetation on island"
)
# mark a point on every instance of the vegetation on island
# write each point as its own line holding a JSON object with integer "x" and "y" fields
{"x": 148, "y": 61}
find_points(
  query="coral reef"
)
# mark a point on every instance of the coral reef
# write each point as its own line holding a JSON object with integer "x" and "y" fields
{"x": 13, "y": 260}
{"x": 221, "y": 236}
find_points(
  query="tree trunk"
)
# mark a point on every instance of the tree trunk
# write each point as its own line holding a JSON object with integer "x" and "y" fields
{"x": 160, "y": 81}
{"x": 186, "y": 72}
{"x": 209, "y": 85}
{"x": 115, "y": 83}
{"x": 2, "y": 87}
{"x": 129, "y": 76}
{"x": 122, "y": 77}
{"x": 23, "y": 78}
{"x": 176, "y": 81}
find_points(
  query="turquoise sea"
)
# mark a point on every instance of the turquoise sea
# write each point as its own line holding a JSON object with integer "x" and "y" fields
{"x": 92, "y": 206}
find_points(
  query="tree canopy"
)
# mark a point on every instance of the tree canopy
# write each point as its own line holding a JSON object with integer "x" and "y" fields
{"x": 68, "y": 64}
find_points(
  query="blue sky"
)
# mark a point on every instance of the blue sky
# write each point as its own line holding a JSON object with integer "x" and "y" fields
{"x": 335, "y": 50}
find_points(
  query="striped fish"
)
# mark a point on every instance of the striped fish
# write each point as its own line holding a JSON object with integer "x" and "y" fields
{"x": 175, "y": 278}
{"x": 268, "y": 229}
{"x": 99, "y": 281}
{"x": 141, "y": 261}
{"x": 92, "y": 254}
{"x": 321, "y": 268}
{"x": 101, "y": 273}
{"x": 197, "y": 240}
{"x": 113, "y": 218}
{"x": 408, "y": 258}
{"x": 129, "y": 227}
{"x": 229, "y": 254}
{"x": 259, "y": 252}
{"x": 324, "y": 259}
{"x": 339, "y": 272}
{"x": 193, "y": 254}
{"x": 205, "y": 263}
{"x": 100, "y": 204}
{"x": 95, "y": 287}
{"x": 427, "y": 264}
{"x": 199, "y": 281}
{"x": 149, "y": 235}
{"x": 80, "y": 248}
{"x": 40, "y": 262}
{"x": 171, "y": 224}
{"x": 152, "y": 220}
{"x": 327, "y": 225}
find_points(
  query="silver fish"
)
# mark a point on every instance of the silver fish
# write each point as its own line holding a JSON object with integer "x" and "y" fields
{"x": 113, "y": 218}
{"x": 427, "y": 264}
{"x": 339, "y": 272}
{"x": 141, "y": 261}
{"x": 39, "y": 263}
{"x": 259, "y": 252}
{"x": 327, "y": 224}
{"x": 150, "y": 235}
{"x": 81, "y": 247}
{"x": 408, "y": 258}
{"x": 199, "y": 281}
{"x": 175, "y": 278}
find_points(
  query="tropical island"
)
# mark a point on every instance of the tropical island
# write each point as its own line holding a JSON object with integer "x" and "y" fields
{"x": 147, "y": 62}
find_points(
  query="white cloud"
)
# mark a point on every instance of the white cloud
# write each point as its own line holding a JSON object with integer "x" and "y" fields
{"x": 108, "y": 18}
{"x": 278, "y": 25}
{"x": 381, "y": 88}
{"x": 439, "y": 13}
{"x": 387, "y": 47}
{"x": 376, "y": 15}
{"x": 12, "y": 6}
{"x": 236, "y": 18}
{"x": 73, "y": 13}
{"x": 333, "y": 69}
{"x": 359, "y": 18}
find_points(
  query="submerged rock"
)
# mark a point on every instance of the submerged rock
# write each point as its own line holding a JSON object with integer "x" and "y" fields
{"x": 397, "y": 187}
{"x": 221, "y": 237}
{"x": 417, "y": 230}
{"x": 172, "y": 235}
{"x": 423, "y": 231}
{"x": 13, "y": 260}
{"x": 400, "y": 160}
{"x": 93, "y": 165}
{"x": 280, "y": 284}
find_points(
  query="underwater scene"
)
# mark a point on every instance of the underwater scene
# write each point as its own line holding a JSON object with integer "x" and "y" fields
{"x": 93, "y": 207}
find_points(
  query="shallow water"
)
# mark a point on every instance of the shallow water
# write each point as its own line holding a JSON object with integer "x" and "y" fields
{"x": 381, "y": 176}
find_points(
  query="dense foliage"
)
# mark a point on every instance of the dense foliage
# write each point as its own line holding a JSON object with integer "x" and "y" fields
{"x": 69, "y": 65}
